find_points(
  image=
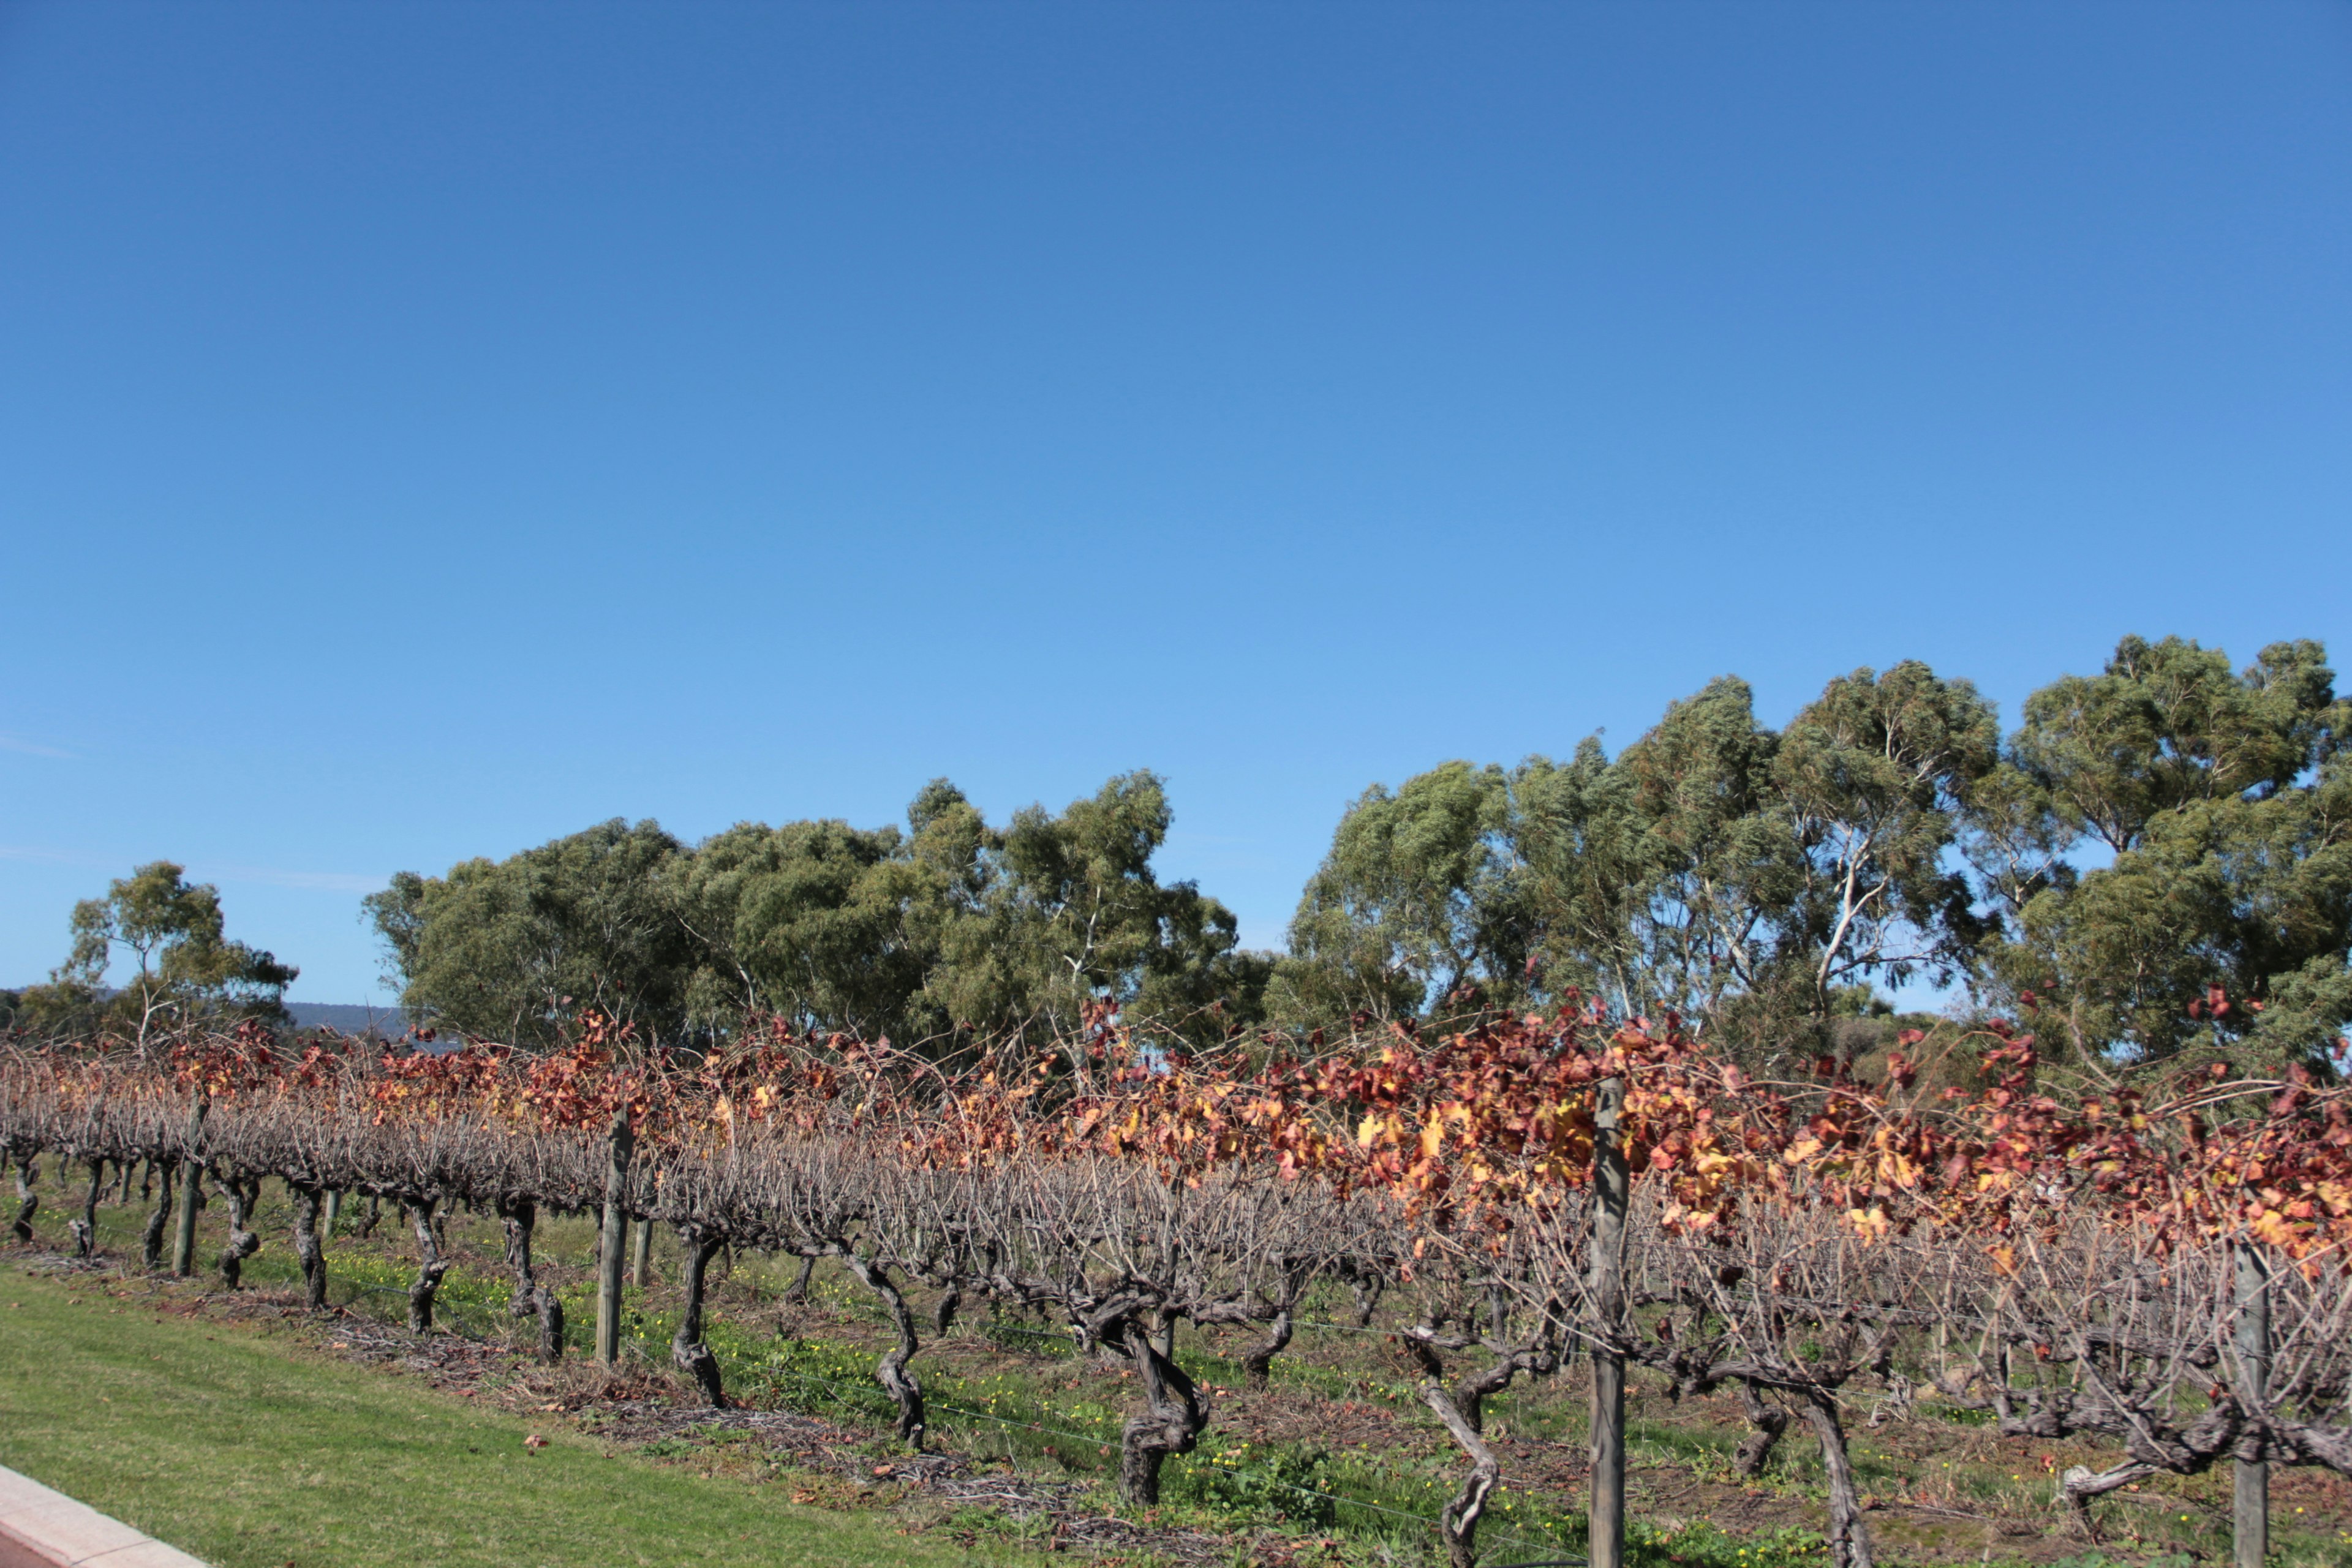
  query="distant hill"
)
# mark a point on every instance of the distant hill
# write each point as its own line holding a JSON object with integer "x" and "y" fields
{"x": 346, "y": 1019}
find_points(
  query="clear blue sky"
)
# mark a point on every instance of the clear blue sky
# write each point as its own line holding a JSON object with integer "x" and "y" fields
{"x": 428, "y": 429}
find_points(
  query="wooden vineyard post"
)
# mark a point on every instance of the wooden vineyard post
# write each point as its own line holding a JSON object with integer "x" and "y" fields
{"x": 1609, "y": 1187}
{"x": 192, "y": 1192}
{"x": 611, "y": 1260}
{"x": 2251, "y": 1512}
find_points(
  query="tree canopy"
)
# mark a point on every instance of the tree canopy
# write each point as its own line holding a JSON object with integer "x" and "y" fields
{"x": 184, "y": 968}
{"x": 2157, "y": 859}
{"x": 946, "y": 929}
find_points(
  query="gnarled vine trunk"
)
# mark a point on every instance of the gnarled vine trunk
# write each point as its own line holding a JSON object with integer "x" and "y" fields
{"x": 532, "y": 1298}
{"x": 309, "y": 1250}
{"x": 430, "y": 1263}
{"x": 159, "y": 1219}
{"x": 891, "y": 1372}
{"x": 1257, "y": 1362}
{"x": 1457, "y": 1521}
{"x": 686, "y": 1351}
{"x": 1463, "y": 1410}
{"x": 29, "y": 1174}
{"x": 1849, "y": 1536}
{"x": 244, "y": 1195}
{"x": 85, "y": 1229}
{"x": 1766, "y": 1422}
{"x": 1174, "y": 1417}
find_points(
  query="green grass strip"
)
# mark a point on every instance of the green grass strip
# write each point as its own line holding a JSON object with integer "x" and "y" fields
{"x": 251, "y": 1452}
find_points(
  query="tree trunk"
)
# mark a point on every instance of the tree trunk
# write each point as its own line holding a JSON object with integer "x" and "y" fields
{"x": 891, "y": 1372}
{"x": 430, "y": 1263}
{"x": 943, "y": 1313}
{"x": 244, "y": 1195}
{"x": 1172, "y": 1423}
{"x": 797, "y": 1291}
{"x": 309, "y": 1204}
{"x": 1610, "y": 1188}
{"x": 28, "y": 1175}
{"x": 1849, "y": 1536}
{"x": 85, "y": 1229}
{"x": 369, "y": 1221}
{"x": 1767, "y": 1421}
{"x": 532, "y": 1298}
{"x": 686, "y": 1351}
{"x": 159, "y": 1220}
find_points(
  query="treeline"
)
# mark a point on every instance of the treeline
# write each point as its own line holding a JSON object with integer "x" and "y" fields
{"x": 2158, "y": 859}
{"x": 947, "y": 928}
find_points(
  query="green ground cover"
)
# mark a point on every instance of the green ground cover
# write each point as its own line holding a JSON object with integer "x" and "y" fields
{"x": 251, "y": 1452}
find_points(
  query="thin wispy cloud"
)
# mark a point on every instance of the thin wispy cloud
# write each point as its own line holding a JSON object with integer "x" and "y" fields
{"x": 23, "y": 747}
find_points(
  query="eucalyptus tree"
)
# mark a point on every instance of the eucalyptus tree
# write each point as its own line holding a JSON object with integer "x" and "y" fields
{"x": 515, "y": 949}
{"x": 185, "y": 969}
{"x": 2224, "y": 918}
{"x": 1417, "y": 898}
{"x": 1056, "y": 913}
{"x": 1873, "y": 779}
{"x": 942, "y": 930}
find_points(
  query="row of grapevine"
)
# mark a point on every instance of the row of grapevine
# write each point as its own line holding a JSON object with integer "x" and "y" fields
{"x": 2162, "y": 1267}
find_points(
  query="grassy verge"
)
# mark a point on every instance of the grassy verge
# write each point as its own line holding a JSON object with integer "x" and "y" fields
{"x": 240, "y": 1447}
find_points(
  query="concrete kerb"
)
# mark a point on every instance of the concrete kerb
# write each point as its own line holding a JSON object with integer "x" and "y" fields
{"x": 43, "y": 1528}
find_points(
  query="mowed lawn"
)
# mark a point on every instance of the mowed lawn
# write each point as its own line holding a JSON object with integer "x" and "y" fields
{"x": 252, "y": 1453}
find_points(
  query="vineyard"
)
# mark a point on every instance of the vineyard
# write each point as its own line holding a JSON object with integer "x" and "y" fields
{"x": 2156, "y": 1273}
